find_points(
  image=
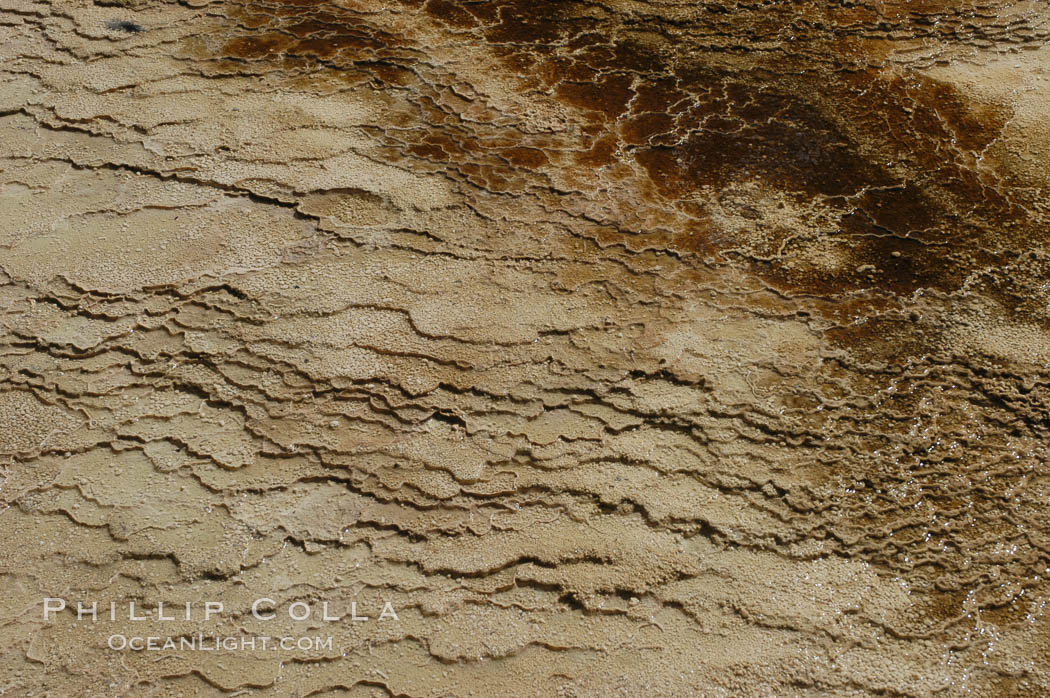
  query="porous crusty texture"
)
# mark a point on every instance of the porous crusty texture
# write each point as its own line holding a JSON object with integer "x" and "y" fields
{"x": 629, "y": 348}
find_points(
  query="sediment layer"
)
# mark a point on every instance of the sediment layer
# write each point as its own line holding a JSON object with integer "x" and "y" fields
{"x": 624, "y": 348}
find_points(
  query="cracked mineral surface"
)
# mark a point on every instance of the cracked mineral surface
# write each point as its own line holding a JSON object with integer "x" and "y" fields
{"x": 587, "y": 348}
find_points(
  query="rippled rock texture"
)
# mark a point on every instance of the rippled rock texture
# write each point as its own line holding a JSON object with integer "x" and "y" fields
{"x": 628, "y": 348}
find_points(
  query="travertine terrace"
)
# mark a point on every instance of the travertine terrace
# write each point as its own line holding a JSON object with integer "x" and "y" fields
{"x": 625, "y": 348}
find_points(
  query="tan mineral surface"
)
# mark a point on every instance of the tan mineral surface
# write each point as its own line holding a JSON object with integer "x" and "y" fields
{"x": 614, "y": 348}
